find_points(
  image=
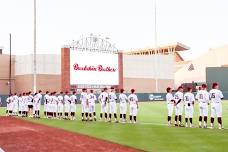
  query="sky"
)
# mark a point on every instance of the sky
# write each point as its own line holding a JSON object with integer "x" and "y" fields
{"x": 199, "y": 24}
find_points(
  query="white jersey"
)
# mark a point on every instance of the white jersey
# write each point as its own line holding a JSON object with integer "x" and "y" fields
{"x": 133, "y": 99}
{"x": 39, "y": 96}
{"x": 83, "y": 97}
{"x": 20, "y": 100}
{"x": 15, "y": 98}
{"x": 169, "y": 98}
{"x": 104, "y": 97}
{"x": 112, "y": 97}
{"x": 29, "y": 99}
{"x": 178, "y": 95}
{"x": 189, "y": 98}
{"x": 202, "y": 96}
{"x": 60, "y": 99}
{"x": 123, "y": 98}
{"x": 73, "y": 99}
{"x": 46, "y": 99}
{"x": 36, "y": 99}
{"x": 67, "y": 99}
{"x": 54, "y": 100}
{"x": 216, "y": 96}
{"x": 91, "y": 98}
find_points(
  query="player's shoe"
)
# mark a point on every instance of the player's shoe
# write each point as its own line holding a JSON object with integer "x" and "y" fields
{"x": 205, "y": 127}
{"x": 134, "y": 122}
{"x": 176, "y": 125}
{"x": 186, "y": 125}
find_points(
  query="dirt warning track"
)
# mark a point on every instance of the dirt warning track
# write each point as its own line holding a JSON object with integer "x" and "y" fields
{"x": 23, "y": 136}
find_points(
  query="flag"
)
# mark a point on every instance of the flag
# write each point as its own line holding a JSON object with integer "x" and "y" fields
{"x": 191, "y": 67}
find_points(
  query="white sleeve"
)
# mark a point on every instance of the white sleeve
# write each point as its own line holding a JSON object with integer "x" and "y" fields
{"x": 221, "y": 95}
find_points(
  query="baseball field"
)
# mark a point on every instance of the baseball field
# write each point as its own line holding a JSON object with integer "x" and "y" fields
{"x": 150, "y": 133}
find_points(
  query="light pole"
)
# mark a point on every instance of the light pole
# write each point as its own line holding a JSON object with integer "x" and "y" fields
{"x": 156, "y": 47}
{"x": 34, "y": 53}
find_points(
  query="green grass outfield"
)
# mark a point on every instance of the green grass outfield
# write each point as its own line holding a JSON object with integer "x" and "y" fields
{"x": 151, "y": 132}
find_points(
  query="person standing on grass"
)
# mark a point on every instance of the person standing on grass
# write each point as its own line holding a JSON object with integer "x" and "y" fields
{"x": 30, "y": 104}
{"x": 39, "y": 95}
{"x": 66, "y": 105}
{"x": 179, "y": 106}
{"x": 189, "y": 100}
{"x": 123, "y": 105}
{"x": 46, "y": 101}
{"x": 170, "y": 104}
{"x": 203, "y": 98}
{"x": 216, "y": 97}
{"x": 73, "y": 99}
{"x": 84, "y": 104}
{"x": 60, "y": 105}
{"x": 112, "y": 104}
{"x": 91, "y": 99}
{"x": 133, "y": 101}
{"x": 104, "y": 104}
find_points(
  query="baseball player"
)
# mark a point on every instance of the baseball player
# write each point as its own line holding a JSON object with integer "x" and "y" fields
{"x": 189, "y": 100}
{"x": 133, "y": 101}
{"x": 84, "y": 103}
{"x": 216, "y": 97}
{"x": 54, "y": 105}
{"x": 123, "y": 105}
{"x": 20, "y": 105}
{"x": 30, "y": 104}
{"x": 15, "y": 104}
{"x": 36, "y": 103}
{"x": 46, "y": 101}
{"x": 39, "y": 95}
{"x": 203, "y": 98}
{"x": 112, "y": 105}
{"x": 170, "y": 104}
{"x": 60, "y": 105}
{"x": 73, "y": 101}
{"x": 178, "y": 105}
{"x": 91, "y": 99}
{"x": 25, "y": 106}
{"x": 104, "y": 101}
{"x": 66, "y": 105}
{"x": 9, "y": 102}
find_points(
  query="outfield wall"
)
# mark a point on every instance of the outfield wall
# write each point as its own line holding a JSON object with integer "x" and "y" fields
{"x": 143, "y": 97}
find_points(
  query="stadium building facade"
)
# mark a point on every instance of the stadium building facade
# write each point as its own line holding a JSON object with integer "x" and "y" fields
{"x": 139, "y": 69}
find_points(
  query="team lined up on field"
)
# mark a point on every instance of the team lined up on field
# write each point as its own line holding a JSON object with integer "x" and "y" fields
{"x": 63, "y": 105}
{"x": 205, "y": 98}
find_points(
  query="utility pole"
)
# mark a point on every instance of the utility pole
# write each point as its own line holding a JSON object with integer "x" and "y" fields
{"x": 156, "y": 46}
{"x": 10, "y": 67}
{"x": 34, "y": 53}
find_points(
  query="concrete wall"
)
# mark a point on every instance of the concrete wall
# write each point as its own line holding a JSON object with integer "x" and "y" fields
{"x": 140, "y": 72}
{"x": 4, "y": 73}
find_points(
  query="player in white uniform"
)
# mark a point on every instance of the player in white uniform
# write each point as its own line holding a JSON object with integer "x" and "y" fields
{"x": 25, "y": 106}
{"x": 84, "y": 103}
{"x": 103, "y": 98}
{"x": 60, "y": 105}
{"x": 178, "y": 105}
{"x": 133, "y": 101}
{"x": 20, "y": 105}
{"x": 112, "y": 104}
{"x": 46, "y": 101}
{"x": 216, "y": 97}
{"x": 189, "y": 100}
{"x": 36, "y": 101}
{"x": 73, "y": 99}
{"x": 170, "y": 104}
{"x": 66, "y": 105}
{"x": 91, "y": 99}
{"x": 203, "y": 98}
{"x": 39, "y": 105}
{"x": 123, "y": 105}
{"x": 26, "y": 98}
{"x": 30, "y": 104}
{"x": 54, "y": 105}
{"x": 9, "y": 102}
{"x": 15, "y": 104}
